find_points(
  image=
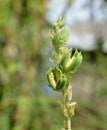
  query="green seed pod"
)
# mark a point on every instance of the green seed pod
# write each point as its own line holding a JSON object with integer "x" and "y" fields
{"x": 56, "y": 79}
{"x": 69, "y": 64}
{"x": 61, "y": 83}
{"x": 75, "y": 61}
{"x": 65, "y": 59}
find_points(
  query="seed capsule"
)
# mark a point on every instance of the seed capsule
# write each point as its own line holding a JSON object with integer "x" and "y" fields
{"x": 75, "y": 61}
{"x": 65, "y": 59}
{"x": 61, "y": 83}
{"x": 69, "y": 64}
{"x": 56, "y": 79}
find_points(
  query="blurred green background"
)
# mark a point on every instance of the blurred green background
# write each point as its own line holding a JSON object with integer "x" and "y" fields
{"x": 26, "y": 102}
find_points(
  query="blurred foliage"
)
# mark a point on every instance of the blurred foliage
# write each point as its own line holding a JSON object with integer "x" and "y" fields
{"x": 92, "y": 112}
{"x": 23, "y": 105}
{"x": 22, "y": 27}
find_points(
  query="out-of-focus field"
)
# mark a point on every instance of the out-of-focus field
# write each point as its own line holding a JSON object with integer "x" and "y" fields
{"x": 24, "y": 52}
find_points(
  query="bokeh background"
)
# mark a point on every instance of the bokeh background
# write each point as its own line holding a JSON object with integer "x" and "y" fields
{"x": 26, "y": 101}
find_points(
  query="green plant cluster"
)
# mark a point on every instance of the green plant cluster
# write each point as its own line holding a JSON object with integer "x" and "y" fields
{"x": 66, "y": 64}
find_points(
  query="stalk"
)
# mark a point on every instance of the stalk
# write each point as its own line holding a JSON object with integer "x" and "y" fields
{"x": 67, "y": 97}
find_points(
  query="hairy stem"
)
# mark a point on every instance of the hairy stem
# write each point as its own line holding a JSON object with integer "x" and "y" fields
{"x": 67, "y": 93}
{"x": 68, "y": 123}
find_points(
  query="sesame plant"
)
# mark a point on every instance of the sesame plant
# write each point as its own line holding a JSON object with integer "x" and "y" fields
{"x": 66, "y": 63}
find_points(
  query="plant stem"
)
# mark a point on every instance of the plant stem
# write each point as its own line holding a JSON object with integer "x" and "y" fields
{"x": 67, "y": 93}
{"x": 69, "y": 123}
